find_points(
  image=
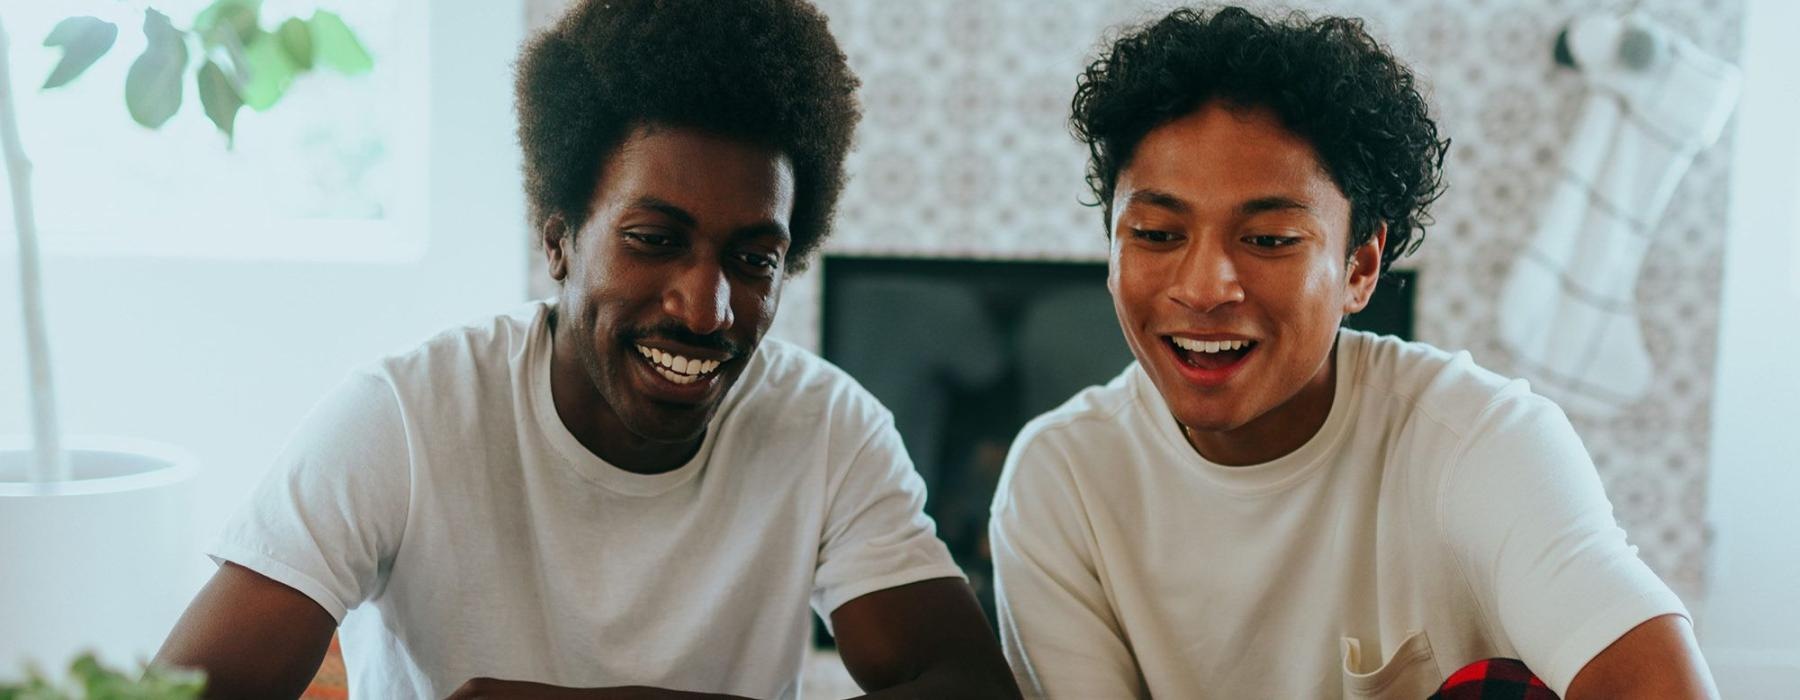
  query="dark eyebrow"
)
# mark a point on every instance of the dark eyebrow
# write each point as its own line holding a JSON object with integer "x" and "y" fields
{"x": 766, "y": 228}
{"x": 1161, "y": 199}
{"x": 681, "y": 216}
{"x": 659, "y": 206}
{"x": 1272, "y": 203}
{"x": 1259, "y": 205}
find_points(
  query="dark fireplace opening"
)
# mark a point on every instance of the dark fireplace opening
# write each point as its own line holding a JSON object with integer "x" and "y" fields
{"x": 965, "y": 352}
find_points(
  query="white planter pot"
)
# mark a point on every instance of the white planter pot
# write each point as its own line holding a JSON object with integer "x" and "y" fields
{"x": 102, "y": 562}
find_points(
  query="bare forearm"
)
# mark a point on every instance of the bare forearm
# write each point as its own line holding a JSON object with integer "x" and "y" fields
{"x": 1657, "y": 659}
{"x": 495, "y": 689}
{"x": 950, "y": 683}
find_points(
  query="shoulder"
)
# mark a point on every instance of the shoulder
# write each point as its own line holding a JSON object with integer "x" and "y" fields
{"x": 1093, "y": 416}
{"x": 1092, "y": 423}
{"x": 1432, "y": 389}
{"x": 479, "y": 351}
{"x": 1478, "y": 443}
{"x": 789, "y": 387}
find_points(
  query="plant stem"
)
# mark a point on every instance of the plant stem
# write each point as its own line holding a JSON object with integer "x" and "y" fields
{"x": 50, "y": 463}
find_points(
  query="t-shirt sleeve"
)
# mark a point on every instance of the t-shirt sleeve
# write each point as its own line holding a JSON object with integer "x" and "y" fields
{"x": 1523, "y": 508}
{"x": 1059, "y": 631}
{"x": 329, "y": 514}
{"x": 877, "y": 535}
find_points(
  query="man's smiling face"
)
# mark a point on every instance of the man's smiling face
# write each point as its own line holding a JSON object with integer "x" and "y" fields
{"x": 1229, "y": 275}
{"x": 668, "y": 287}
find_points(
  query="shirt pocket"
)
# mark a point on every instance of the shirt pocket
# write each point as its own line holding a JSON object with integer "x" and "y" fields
{"x": 1410, "y": 674}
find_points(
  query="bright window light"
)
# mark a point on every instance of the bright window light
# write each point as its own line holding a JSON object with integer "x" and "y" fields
{"x": 336, "y": 170}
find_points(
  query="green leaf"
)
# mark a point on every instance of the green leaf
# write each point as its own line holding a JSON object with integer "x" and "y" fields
{"x": 234, "y": 17}
{"x": 219, "y": 98}
{"x": 336, "y": 46}
{"x": 153, "y": 85}
{"x": 296, "y": 39}
{"x": 96, "y": 680}
{"x": 84, "y": 40}
{"x": 270, "y": 72}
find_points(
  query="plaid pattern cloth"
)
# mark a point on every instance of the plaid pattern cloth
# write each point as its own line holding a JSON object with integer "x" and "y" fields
{"x": 1494, "y": 679}
{"x": 1568, "y": 311}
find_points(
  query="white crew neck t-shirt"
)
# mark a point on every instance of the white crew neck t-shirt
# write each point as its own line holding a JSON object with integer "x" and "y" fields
{"x": 1441, "y": 515}
{"x": 437, "y": 506}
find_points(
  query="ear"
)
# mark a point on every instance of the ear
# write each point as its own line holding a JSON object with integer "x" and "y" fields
{"x": 1365, "y": 271}
{"x": 558, "y": 241}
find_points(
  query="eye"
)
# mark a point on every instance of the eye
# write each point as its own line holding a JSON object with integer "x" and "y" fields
{"x": 759, "y": 262}
{"x": 1152, "y": 235}
{"x": 1268, "y": 241}
{"x": 650, "y": 238}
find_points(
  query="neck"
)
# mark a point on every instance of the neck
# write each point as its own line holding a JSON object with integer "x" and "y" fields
{"x": 1275, "y": 434}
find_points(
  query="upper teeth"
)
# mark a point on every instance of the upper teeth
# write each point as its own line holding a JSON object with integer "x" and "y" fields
{"x": 678, "y": 369}
{"x": 1191, "y": 345}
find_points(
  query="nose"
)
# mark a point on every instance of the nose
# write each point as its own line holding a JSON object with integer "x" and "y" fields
{"x": 699, "y": 297}
{"x": 1206, "y": 279}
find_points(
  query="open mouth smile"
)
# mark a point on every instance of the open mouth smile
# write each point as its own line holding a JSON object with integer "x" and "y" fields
{"x": 1210, "y": 362}
{"x": 679, "y": 369}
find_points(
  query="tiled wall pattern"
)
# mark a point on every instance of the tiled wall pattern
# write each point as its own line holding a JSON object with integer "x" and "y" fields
{"x": 964, "y": 152}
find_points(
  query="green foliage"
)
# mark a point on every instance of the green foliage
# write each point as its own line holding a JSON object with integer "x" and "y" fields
{"x": 337, "y": 45}
{"x": 83, "y": 40}
{"x": 218, "y": 97}
{"x": 296, "y": 40}
{"x": 241, "y": 64}
{"x": 271, "y": 70}
{"x": 153, "y": 86}
{"x": 90, "y": 680}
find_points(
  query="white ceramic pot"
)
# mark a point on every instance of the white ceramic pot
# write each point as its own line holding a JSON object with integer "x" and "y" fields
{"x": 102, "y": 562}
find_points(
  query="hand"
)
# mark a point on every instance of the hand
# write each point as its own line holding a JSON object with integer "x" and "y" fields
{"x": 496, "y": 689}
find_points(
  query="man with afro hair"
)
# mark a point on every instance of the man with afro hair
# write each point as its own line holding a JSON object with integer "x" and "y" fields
{"x": 1266, "y": 504}
{"x": 624, "y": 491}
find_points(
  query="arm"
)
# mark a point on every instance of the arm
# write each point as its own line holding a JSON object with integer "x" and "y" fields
{"x": 922, "y": 640}
{"x": 1657, "y": 659}
{"x": 495, "y": 689}
{"x": 252, "y": 636}
{"x": 305, "y": 548}
{"x": 1526, "y": 513}
{"x": 1061, "y": 633}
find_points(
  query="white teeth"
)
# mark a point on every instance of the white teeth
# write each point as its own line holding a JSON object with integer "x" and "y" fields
{"x": 678, "y": 369}
{"x": 677, "y": 378}
{"x": 1191, "y": 345}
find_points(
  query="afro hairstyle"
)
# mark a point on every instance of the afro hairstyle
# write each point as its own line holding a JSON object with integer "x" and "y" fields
{"x": 765, "y": 71}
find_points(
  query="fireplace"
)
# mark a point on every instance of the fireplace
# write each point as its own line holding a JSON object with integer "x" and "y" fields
{"x": 964, "y": 352}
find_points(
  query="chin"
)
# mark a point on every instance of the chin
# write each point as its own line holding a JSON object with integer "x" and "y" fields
{"x": 1208, "y": 419}
{"x": 660, "y": 426}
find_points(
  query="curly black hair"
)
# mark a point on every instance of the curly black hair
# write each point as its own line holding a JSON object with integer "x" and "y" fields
{"x": 1326, "y": 79}
{"x": 765, "y": 71}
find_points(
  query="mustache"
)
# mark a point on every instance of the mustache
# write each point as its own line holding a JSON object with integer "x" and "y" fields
{"x": 676, "y": 332}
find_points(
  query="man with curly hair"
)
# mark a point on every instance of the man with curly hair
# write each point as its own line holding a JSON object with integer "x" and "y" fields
{"x": 626, "y": 490}
{"x": 1266, "y": 504}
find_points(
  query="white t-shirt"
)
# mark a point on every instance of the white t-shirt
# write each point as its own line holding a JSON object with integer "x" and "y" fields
{"x": 1442, "y": 515}
{"x": 439, "y": 509}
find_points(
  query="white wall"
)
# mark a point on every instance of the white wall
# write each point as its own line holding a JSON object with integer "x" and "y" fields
{"x": 222, "y": 357}
{"x": 1751, "y": 626}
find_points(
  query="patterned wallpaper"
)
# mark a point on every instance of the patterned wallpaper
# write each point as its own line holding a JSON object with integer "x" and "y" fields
{"x": 964, "y": 153}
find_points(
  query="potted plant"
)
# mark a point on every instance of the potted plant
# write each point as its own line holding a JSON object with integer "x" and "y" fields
{"x": 94, "y": 531}
{"x": 90, "y": 679}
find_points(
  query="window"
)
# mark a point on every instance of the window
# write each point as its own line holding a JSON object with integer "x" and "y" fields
{"x": 336, "y": 170}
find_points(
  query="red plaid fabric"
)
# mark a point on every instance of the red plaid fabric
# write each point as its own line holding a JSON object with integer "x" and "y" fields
{"x": 1494, "y": 679}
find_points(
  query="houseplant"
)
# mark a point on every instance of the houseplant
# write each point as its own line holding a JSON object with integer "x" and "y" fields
{"x": 94, "y": 531}
{"x": 89, "y": 679}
